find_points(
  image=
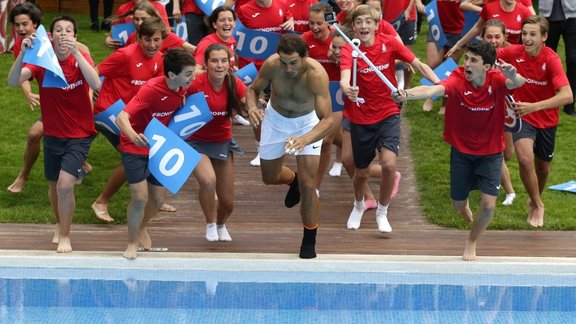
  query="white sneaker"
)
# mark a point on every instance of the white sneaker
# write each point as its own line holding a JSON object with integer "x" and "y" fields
{"x": 509, "y": 199}
{"x": 211, "y": 232}
{"x": 383, "y": 225}
{"x": 336, "y": 170}
{"x": 223, "y": 234}
{"x": 239, "y": 120}
{"x": 355, "y": 216}
{"x": 255, "y": 161}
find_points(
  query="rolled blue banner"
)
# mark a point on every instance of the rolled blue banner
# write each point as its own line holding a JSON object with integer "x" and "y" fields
{"x": 191, "y": 117}
{"x": 255, "y": 44}
{"x": 434, "y": 25}
{"x": 470, "y": 19}
{"x": 207, "y": 6}
{"x": 247, "y": 74}
{"x": 107, "y": 118}
{"x": 180, "y": 29}
{"x": 336, "y": 96}
{"x": 171, "y": 160}
{"x": 442, "y": 71}
{"x": 121, "y": 32}
{"x": 42, "y": 54}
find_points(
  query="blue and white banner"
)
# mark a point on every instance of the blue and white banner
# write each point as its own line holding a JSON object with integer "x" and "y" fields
{"x": 171, "y": 160}
{"x": 121, "y": 32}
{"x": 569, "y": 186}
{"x": 180, "y": 28}
{"x": 470, "y": 19}
{"x": 191, "y": 117}
{"x": 434, "y": 25}
{"x": 247, "y": 74}
{"x": 207, "y": 6}
{"x": 107, "y": 118}
{"x": 336, "y": 96}
{"x": 442, "y": 71}
{"x": 255, "y": 44}
{"x": 42, "y": 54}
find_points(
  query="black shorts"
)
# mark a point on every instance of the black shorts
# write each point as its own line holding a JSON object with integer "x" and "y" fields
{"x": 451, "y": 39}
{"x": 366, "y": 139}
{"x": 196, "y": 27}
{"x": 110, "y": 136}
{"x": 407, "y": 32}
{"x": 218, "y": 150}
{"x": 544, "y": 140}
{"x": 136, "y": 169}
{"x": 470, "y": 172}
{"x": 345, "y": 123}
{"x": 65, "y": 154}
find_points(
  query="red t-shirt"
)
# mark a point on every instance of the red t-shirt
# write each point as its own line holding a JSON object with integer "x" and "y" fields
{"x": 451, "y": 16}
{"x": 378, "y": 102}
{"x": 128, "y": 8}
{"x": 17, "y": 46}
{"x": 125, "y": 71}
{"x": 512, "y": 20}
{"x": 300, "y": 9}
{"x": 267, "y": 19}
{"x": 214, "y": 39}
{"x": 154, "y": 100}
{"x": 318, "y": 50}
{"x": 172, "y": 40}
{"x": 474, "y": 121}
{"x": 189, "y": 6}
{"x": 386, "y": 28}
{"x": 392, "y": 9}
{"x": 544, "y": 76}
{"x": 66, "y": 112}
{"x": 218, "y": 129}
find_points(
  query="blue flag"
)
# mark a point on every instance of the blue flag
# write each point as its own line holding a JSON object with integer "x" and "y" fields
{"x": 255, "y": 44}
{"x": 191, "y": 117}
{"x": 434, "y": 25}
{"x": 171, "y": 160}
{"x": 207, "y": 6}
{"x": 247, "y": 74}
{"x": 107, "y": 118}
{"x": 442, "y": 71}
{"x": 569, "y": 186}
{"x": 336, "y": 96}
{"x": 121, "y": 32}
{"x": 42, "y": 54}
{"x": 180, "y": 29}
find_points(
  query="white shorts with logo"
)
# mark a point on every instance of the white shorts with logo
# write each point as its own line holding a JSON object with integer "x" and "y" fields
{"x": 277, "y": 128}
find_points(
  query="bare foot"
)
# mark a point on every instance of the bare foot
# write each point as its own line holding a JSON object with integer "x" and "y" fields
{"x": 167, "y": 208}
{"x": 56, "y": 238}
{"x": 64, "y": 246}
{"x": 144, "y": 239}
{"x": 86, "y": 167}
{"x": 467, "y": 215}
{"x": 101, "y": 212}
{"x": 17, "y": 185}
{"x": 535, "y": 214}
{"x": 428, "y": 105}
{"x": 442, "y": 110}
{"x": 131, "y": 251}
{"x": 469, "y": 251}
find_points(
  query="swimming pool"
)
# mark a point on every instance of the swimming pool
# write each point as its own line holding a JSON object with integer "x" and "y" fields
{"x": 221, "y": 288}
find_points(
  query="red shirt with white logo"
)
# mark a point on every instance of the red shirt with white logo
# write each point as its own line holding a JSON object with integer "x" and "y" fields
{"x": 267, "y": 19}
{"x": 218, "y": 129}
{"x": 392, "y": 9}
{"x": 126, "y": 9}
{"x": 378, "y": 101}
{"x": 66, "y": 112}
{"x": 172, "y": 40}
{"x": 451, "y": 16}
{"x": 300, "y": 9}
{"x": 154, "y": 100}
{"x": 125, "y": 71}
{"x": 214, "y": 39}
{"x": 474, "y": 121}
{"x": 544, "y": 76}
{"x": 318, "y": 50}
{"x": 512, "y": 20}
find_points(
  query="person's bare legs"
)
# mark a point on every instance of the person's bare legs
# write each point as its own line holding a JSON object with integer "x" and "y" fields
{"x": 155, "y": 199}
{"x": 206, "y": 177}
{"x": 487, "y": 205}
{"x": 115, "y": 182}
{"x": 387, "y": 179}
{"x": 31, "y": 153}
{"x": 506, "y": 181}
{"x": 463, "y": 209}
{"x": 525, "y": 156}
{"x": 66, "y": 206}
{"x": 309, "y": 203}
{"x": 225, "y": 189}
{"x": 53, "y": 197}
{"x": 348, "y": 162}
{"x": 433, "y": 59}
{"x": 135, "y": 216}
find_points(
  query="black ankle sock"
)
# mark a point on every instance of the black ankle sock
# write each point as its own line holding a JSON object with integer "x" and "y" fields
{"x": 293, "y": 194}
{"x": 307, "y": 249}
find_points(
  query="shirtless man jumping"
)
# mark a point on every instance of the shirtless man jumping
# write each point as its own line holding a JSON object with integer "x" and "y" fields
{"x": 297, "y": 118}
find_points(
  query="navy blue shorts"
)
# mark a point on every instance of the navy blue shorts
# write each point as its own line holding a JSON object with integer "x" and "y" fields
{"x": 470, "y": 172}
{"x": 366, "y": 139}
{"x": 544, "y": 140}
{"x": 65, "y": 154}
{"x": 136, "y": 168}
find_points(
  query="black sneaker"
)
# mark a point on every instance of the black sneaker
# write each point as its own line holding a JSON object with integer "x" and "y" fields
{"x": 293, "y": 194}
{"x": 569, "y": 110}
{"x": 94, "y": 26}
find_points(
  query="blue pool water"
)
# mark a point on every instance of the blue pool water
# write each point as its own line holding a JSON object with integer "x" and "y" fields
{"x": 30, "y": 295}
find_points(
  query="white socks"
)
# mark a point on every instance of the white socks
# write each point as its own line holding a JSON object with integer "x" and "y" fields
{"x": 356, "y": 215}
{"x": 211, "y": 232}
{"x": 382, "y": 219}
{"x": 509, "y": 199}
{"x": 336, "y": 169}
{"x": 223, "y": 234}
{"x": 256, "y": 161}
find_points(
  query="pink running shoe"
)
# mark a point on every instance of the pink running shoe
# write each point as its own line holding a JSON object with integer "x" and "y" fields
{"x": 370, "y": 204}
{"x": 396, "y": 184}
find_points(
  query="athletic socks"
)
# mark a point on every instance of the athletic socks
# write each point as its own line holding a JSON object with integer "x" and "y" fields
{"x": 509, "y": 199}
{"x": 382, "y": 219}
{"x": 211, "y": 232}
{"x": 356, "y": 215}
{"x": 256, "y": 161}
{"x": 308, "y": 247}
{"x": 336, "y": 170}
{"x": 223, "y": 234}
{"x": 293, "y": 194}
